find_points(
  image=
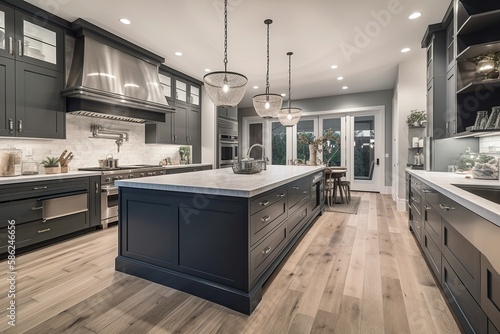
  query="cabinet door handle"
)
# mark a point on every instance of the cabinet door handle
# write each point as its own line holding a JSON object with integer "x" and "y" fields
{"x": 43, "y": 231}
{"x": 296, "y": 187}
{"x": 416, "y": 183}
{"x": 427, "y": 207}
{"x": 20, "y": 47}
{"x": 97, "y": 187}
{"x": 281, "y": 195}
{"x": 40, "y": 188}
{"x": 304, "y": 192}
{"x": 265, "y": 218}
{"x": 20, "y": 125}
{"x": 11, "y": 45}
{"x": 11, "y": 125}
{"x": 445, "y": 207}
{"x": 37, "y": 208}
{"x": 267, "y": 250}
{"x": 303, "y": 215}
{"x": 414, "y": 200}
{"x": 264, "y": 203}
{"x": 426, "y": 191}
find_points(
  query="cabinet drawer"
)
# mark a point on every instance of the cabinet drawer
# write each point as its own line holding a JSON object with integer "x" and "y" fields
{"x": 416, "y": 200}
{"x": 433, "y": 254}
{"x": 490, "y": 291}
{"x": 297, "y": 220}
{"x": 298, "y": 190}
{"x": 22, "y": 211}
{"x": 47, "y": 188}
{"x": 263, "y": 255}
{"x": 463, "y": 257}
{"x": 416, "y": 222}
{"x": 265, "y": 220}
{"x": 432, "y": 224}
{"x": 467, "y": 310}
{"x": 265, "y": 201}
{"x": 492, "y": 329}
{"x": 430, "y": 195}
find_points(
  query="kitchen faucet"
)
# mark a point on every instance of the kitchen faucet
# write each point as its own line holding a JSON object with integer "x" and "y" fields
{"x": 263, "y": 153}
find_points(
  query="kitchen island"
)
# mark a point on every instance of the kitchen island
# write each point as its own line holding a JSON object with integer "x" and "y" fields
{"x": 216, "y": 234}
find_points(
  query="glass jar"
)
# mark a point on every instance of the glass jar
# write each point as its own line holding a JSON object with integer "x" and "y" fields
{"x": 466, "y": 161}
{"x": 492, "y": 120}
{"x": 30, "y": 167}
{"x": 481, "y": 120}
{"x": 486, "y": 166}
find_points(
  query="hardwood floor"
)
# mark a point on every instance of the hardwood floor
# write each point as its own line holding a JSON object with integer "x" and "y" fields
{"x": 349, "y": 274}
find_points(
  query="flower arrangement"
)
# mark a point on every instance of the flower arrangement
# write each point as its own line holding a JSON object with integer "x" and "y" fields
{"x": 320, "y": 142}
{"x": 416, "y": 118}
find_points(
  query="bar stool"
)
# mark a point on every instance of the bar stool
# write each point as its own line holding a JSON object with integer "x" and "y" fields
{"x": 345, "y": 186}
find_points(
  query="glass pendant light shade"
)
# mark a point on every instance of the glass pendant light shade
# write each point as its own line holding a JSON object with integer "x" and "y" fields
{"x": 289, "y": 116}
{"x": 267, "y": 105}
{"x": 225, "y": 89}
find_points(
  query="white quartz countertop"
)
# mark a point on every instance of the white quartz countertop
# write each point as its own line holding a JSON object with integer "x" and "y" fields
{"x": 44, "y": 177}
{"x": 185, "y": 166}
{"x": 224, "y": 181}
{"x": 444, "y": 183}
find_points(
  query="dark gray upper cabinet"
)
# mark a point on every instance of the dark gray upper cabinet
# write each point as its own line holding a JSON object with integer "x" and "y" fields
{"x": 180, "y": 125}
{"x": 31, "y": 74}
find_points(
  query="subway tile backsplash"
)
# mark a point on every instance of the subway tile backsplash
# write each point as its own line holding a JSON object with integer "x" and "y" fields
{"x": 88, "y": 150}
{"x": 486, "y": 142}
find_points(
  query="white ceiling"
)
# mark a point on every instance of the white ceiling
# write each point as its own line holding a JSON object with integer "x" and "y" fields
{"x": 314, "y": 30}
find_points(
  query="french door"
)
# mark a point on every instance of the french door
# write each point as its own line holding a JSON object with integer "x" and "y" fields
{"x": 359, "y": 143}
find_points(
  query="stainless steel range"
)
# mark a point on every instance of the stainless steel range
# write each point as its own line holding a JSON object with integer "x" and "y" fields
{"x": 109, "y": 192}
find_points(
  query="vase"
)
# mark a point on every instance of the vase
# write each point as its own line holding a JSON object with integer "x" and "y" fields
{"x": 313, "y": 155}
{"x": 52, "y": 170}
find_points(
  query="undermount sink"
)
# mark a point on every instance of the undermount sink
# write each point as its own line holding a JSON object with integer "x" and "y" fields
{"x": 490, "y": 193}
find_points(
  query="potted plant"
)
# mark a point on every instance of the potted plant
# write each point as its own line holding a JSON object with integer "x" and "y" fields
{"x": 416, "y": 118}
{"x": 185, "y": 152}
{"x": 51, "y": 165}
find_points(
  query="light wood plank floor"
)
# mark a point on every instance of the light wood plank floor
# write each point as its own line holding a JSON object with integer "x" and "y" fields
{"x": 349, "y": 274}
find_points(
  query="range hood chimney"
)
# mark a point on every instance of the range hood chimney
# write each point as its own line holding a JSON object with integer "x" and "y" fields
{"x": 109, "y": 83}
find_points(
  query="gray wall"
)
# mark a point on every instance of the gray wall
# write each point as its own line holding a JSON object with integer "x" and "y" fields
{"x": 328, "y": 103}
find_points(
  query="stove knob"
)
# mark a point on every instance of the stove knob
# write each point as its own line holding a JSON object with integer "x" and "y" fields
{"x": 131, "y": 176}
{"x": 120, "y": 177}
{"x": 107, "y": 180}
{"x": 150, "y": 174}
{"x": 154, "y": 173}
{"x": 142, "y": 175}
{"x": 162, "y": 172}
{"x": 115, "y": 178}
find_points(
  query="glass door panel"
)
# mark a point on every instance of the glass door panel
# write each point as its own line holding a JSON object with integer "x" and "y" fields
{"x": 307, "y": 127}
{"x": 332, "y": 152}
{"x": 364, "y": 147}
{"x": 180, "y": 91}
{"x": 195, "y": 95}
{"x": 2, "y": 31}
{"x": 278, "y": 144}
{"x": 39, "y": 43}
{"x": 166, "y": 85}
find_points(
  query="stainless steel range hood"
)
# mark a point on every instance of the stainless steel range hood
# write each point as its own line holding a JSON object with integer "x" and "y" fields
{"x": 109, "y": 83}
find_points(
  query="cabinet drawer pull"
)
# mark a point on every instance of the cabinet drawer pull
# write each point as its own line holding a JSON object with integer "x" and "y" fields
{"x": 20, "y": 125}
{"x": 281, "y": 195}
{"x": 11, "y": 125}
{"x": 414, "y": 200}
{"x": 296, "y": 187}
{"x": 43, "y": 231}
{"x": 40, "y": 188}
{"x": 20, "y": 47}
{"x": 265, "y": 218}
{"x": 264, "y": 203}
{"x": 445, "y": 207}
{"x": 304, "y": 192}
{"x": 426, "y": 191}
{"x": 37, "y": 208}
{"x": 267, "y": 250}
{"x": 11, "y": 46}
{"x": 427, "y": 207}
{"x": 416, "y": 183}
{"x": 303, "y": 215}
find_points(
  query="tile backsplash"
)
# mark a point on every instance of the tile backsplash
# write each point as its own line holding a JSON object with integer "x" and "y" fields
{"x": 486, "y": 142}
{"x": 88, "y": 150}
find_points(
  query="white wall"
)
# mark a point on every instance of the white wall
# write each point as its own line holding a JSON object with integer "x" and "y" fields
{"x": 410, "y": 93}
{"x": 88, "y": 150}
{"x": 208, "y": 129}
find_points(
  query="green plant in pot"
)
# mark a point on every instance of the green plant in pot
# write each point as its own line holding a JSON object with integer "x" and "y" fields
{"x": 185, "y": 152}
{"x": 416, "y": 118}
{"x": 51, "y": 165}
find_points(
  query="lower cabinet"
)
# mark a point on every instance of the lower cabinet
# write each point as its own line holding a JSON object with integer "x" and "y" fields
{"x": 490, "y": 292}
{"x": 433, "y": 255}
{"x": 187, "y": 169}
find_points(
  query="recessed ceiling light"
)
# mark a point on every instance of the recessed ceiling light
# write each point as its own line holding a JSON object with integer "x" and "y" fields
{"x": 340, "y": 78}
{"x": 283, "y": 94}
{"x": 207, "y": 70}
{"x": 255, "y": 87}
{"x": 178, "y": 53}
{"x": 345, "y": 87}
{"x": 415, "y": 15}
{"x": 333, "y": 67}
{"x": 125, "y": 21}
{"x": 405, "y": 50}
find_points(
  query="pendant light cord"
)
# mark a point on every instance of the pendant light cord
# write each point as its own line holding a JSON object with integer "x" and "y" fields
{"x": 225, "y": 35}
{"x": 289, "y": 80}
{"x": 267, "y": 73}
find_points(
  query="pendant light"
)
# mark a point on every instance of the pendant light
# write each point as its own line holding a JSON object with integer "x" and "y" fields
{"x": 267, "y": 105}
{"x": 225, "y": 89}
{"x": 289, "y": 116}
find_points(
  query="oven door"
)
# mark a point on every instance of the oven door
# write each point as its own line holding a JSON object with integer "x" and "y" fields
{"x": 228, "y": 151}
{"x": 109, "y": 205}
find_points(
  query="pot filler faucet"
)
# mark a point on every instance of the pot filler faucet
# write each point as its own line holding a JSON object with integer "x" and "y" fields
{"x": 263, "y": 153}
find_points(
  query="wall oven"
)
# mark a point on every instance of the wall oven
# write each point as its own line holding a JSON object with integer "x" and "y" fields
{"x": 228, "y": 150}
